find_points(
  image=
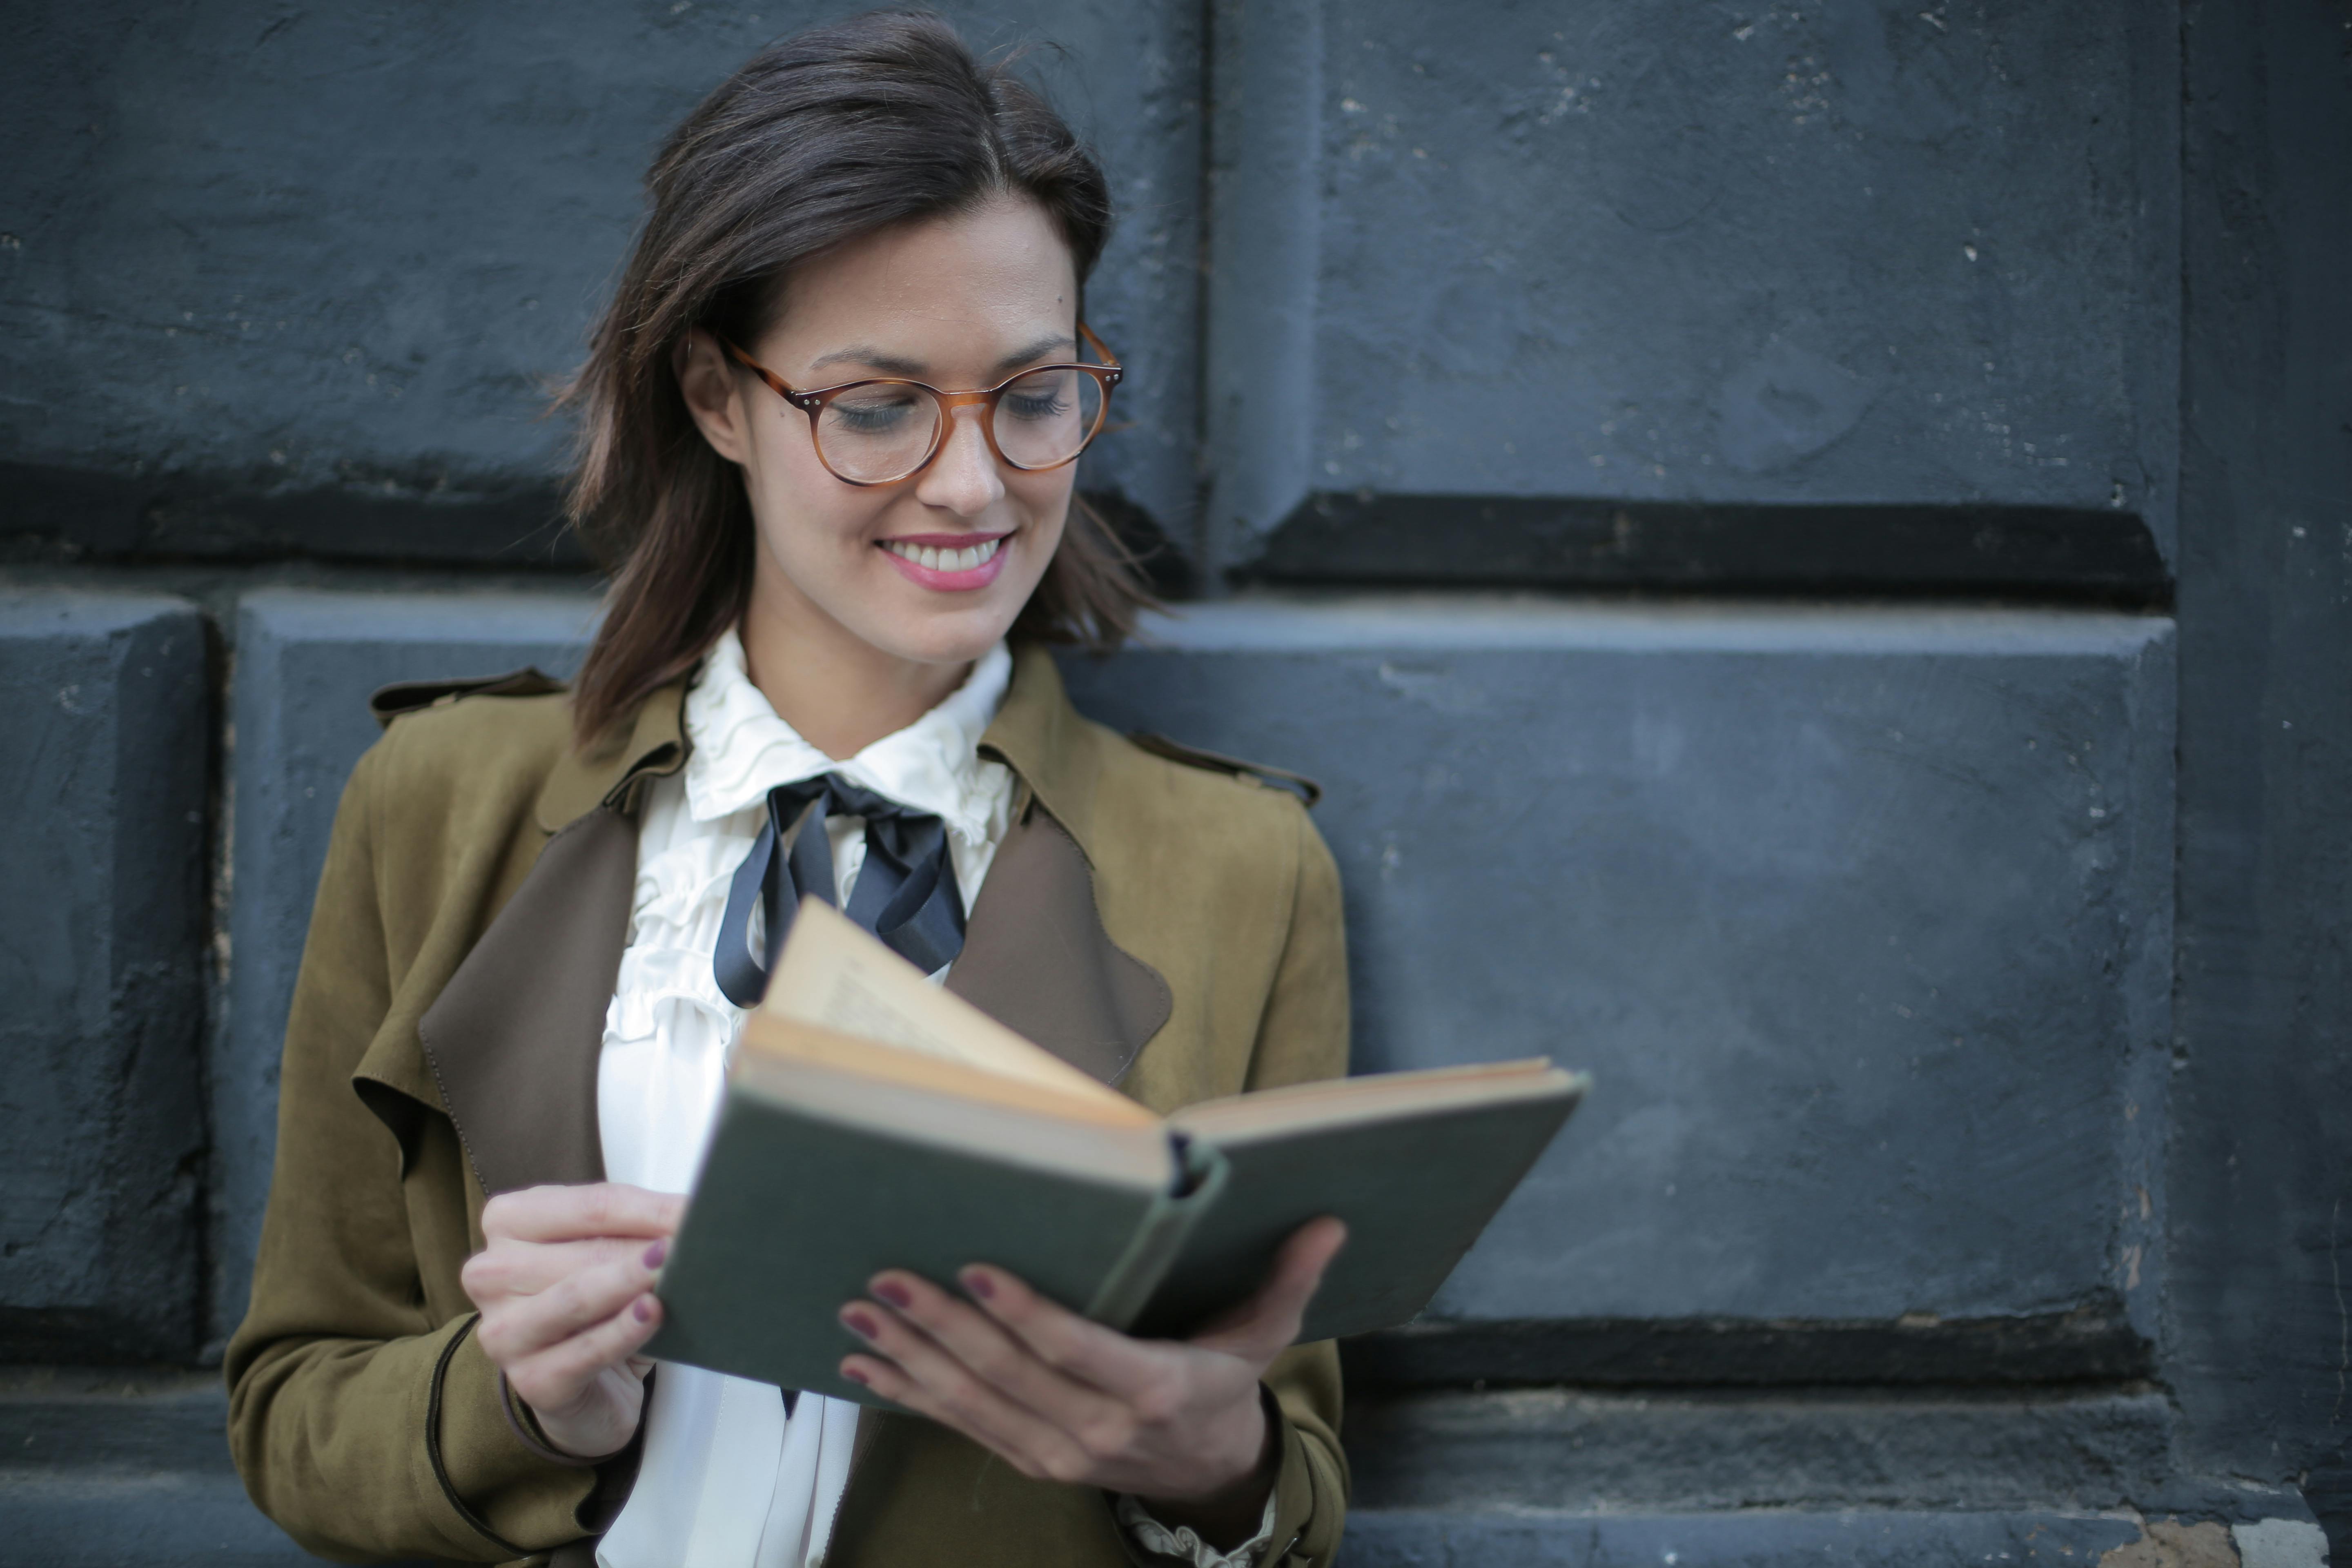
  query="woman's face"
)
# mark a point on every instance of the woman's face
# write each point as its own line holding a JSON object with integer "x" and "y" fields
{"x": 962, "y": 303}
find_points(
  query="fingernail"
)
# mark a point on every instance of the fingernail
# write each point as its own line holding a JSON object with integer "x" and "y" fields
{"x": 898, "y": 1295}
{"x": 855, "y": 1376}
{"x": 862, "y": 1324}
{"x": 656, "y": 1253}
{"x": 979, "y": 1284}
{"x": 644, "y": 1309}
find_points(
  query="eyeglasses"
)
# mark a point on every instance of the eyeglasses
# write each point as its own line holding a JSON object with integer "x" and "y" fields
{"x": 878, "y": 432}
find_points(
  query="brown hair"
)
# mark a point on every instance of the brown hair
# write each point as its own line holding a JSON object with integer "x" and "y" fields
{"x": 833, "y": 134}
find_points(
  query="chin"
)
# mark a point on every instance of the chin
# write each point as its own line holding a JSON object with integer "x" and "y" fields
{"x": 932, "y": 627}
{"x": 951, "y": 637}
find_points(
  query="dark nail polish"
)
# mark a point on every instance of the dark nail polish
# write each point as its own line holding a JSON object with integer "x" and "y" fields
{"x": 855, "y": 1376}
{"x": 644, "y": 1309}
{"x": 898, "y": 1295}
{"x": 656, "y": 1253}
{"x": 862, "y": 1324}
{"x": 979, "y": 1284}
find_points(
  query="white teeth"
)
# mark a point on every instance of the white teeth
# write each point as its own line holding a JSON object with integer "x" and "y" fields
{"x": 933, "y": 559}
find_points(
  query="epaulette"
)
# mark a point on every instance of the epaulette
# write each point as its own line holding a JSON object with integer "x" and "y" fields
{"x": 412, "y": 695}
{"x": 1216, "y": 763}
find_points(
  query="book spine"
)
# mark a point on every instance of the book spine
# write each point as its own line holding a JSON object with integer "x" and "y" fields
{"x": 1159, "y": 1237}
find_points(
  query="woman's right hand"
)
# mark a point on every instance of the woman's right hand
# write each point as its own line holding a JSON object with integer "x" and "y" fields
{"x": 565, "y": 1281}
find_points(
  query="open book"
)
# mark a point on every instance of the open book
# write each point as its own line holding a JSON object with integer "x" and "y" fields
{"x": 873, "y": 1121}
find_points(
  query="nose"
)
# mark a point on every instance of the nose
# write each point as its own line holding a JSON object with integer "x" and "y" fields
{"x": 962, "y": 479}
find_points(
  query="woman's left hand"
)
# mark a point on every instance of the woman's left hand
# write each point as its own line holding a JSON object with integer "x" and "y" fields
{"x": 1179, "y": 1423}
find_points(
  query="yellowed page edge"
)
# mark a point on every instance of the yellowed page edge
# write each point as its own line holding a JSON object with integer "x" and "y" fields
{"x": 772, "y": 1036}
{"x": 1374, "y": 1096}
{"x": 1016, "y": 1135}
{"x": 836, "y": 975}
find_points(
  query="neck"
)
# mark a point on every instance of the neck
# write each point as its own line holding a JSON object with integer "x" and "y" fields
{"x": 840, "y": 693}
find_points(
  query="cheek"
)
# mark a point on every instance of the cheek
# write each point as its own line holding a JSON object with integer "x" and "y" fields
{"x": 1047, "y": 499}
{"x": 803, "y": 511}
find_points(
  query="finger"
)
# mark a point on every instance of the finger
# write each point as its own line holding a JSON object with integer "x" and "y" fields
{"x": 577, "y": 1213}
{"x": 1263, "y": 1326}
{"x": 892, "y": 1381}
{"x": 1077, "y": 1348}
{"x": 554, "y": 1378}
{"x": 927, "y": 1379}
{"x": 521, "y": 1326}
{"x": 995, "y": 1353}
{"x": 509, "y": 1268}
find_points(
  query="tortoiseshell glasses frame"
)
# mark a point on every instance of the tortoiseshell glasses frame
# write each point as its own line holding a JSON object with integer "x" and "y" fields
{"x": 944, "y": 403}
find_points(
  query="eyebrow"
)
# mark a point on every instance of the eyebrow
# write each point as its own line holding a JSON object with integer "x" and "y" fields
{"x": 897, "y": 364}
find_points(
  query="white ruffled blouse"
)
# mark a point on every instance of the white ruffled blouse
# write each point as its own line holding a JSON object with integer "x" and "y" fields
{"x": 728, "y": 1479}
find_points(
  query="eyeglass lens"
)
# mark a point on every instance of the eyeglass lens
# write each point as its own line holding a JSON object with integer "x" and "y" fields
{"x": 882, "y": 431}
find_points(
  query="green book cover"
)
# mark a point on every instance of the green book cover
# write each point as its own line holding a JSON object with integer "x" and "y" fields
{"x": 1415, "y": 1187}
{"x": 873, "y": 1121}
{"x": 797, "y": 1208}
{"x": 810, "y": 1189}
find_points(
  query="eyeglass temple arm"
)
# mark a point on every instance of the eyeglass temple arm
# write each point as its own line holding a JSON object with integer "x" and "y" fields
{"x": 1110, "y": 360}
{"x": 775, "y": 382}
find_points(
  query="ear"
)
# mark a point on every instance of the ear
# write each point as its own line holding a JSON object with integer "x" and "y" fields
{"x": 713, "y": 393}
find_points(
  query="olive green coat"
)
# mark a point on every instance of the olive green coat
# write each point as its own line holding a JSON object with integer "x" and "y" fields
{"x": 1174, "y": 927}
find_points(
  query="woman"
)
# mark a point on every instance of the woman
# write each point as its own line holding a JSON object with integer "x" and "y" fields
{"x": 535, "y": 931}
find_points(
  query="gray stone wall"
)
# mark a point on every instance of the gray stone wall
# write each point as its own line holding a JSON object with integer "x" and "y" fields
{"x": 106, "y": 702}
{"x": 1856, "y": 292}
{"x": 299, "y": 282}
{"x": 1848, "y": 1067}
{"x": 2260, "y": 1164}
{"x": 1806, "y": 543}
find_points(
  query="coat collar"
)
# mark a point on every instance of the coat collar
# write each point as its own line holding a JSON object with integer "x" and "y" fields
{"x": 514, "y": 1038}
{"x": 1037, "y": 734}
{"x": 654, "y": 743}
{"x": 1046, "y": 745}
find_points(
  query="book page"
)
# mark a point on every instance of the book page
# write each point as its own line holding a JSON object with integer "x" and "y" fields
{"x": 946, "y": 1103}
{"x": 1377, "y": 1096}
{"x": 837, "y": 975}
{"x": 772, "y": 1036}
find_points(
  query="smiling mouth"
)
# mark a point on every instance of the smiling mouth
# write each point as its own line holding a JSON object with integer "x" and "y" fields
{"x": 933, "y": 559}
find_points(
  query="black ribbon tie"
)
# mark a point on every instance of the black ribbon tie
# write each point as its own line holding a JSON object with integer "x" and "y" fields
{"x": 905, "y": 892}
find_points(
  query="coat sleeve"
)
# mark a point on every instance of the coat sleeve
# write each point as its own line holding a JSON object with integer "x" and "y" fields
{"x": 362, "y": 1426}
{"x": 1303, "y": 1036}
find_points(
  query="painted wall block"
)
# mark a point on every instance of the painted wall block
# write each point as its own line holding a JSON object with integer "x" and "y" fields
{"x": 105, "y": 706}
{"x": 1766, "y": 1540}
{"x": 1861, "y": 919}
{"x": 363, "y": 245}
{"x": 1648, "y": 256}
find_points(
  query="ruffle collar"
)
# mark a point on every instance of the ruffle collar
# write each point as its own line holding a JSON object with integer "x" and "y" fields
{"x": 742, "y": 749}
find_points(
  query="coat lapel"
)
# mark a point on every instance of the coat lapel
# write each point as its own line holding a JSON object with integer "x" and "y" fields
{"x": 1036, "y": 956}
{"x": 1037, "y": 960}
{"x": 515, "y": 1038}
